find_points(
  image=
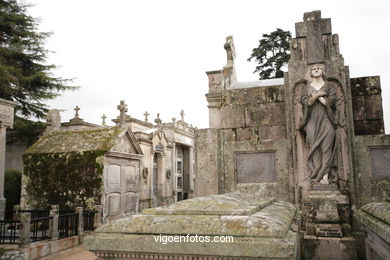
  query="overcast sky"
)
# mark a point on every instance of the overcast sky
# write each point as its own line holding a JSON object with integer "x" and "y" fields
{"x": 154, "y": 54}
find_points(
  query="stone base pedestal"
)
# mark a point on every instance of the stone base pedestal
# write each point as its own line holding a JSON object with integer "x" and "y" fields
{"x": 326, "y": 212}
{"x": 327, "y": 248}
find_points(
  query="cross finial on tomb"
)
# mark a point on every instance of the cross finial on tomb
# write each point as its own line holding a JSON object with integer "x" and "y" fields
{"x": 104, "y": 120}
{"x": 182, "y": 115}
{"x": 77, "y": 109}
{"x": 122, "y": 107}
{"x": 146, "y": 114}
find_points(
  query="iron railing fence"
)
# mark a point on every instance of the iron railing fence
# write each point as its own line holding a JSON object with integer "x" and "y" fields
{"x": 10, "y": 231}
{"x": 89, "y": 220}
{"x": 39, "y": 228}
{"x": 68, "y": 225}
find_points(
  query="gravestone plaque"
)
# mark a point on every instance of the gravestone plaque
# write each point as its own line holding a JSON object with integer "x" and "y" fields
{"x": 380, "y": 167}
{"x": 255, "y": 167}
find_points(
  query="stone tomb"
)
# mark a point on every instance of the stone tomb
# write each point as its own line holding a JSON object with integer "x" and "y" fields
{"x": 258, "y": 228}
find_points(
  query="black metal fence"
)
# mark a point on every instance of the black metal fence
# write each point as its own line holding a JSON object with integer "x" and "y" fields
{"x": 89, "y": 220}
{"x": 68, "y": 225}
{"x": 41, "y": 224}
{"x": 39, "y": 228}
{"x": 10, "y": 231}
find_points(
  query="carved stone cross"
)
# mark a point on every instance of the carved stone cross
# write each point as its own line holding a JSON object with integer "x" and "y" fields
{"x": 104, "y": 119}
{"x": 146, "y": 114}
{"x": 77, "y": 109}
{"x": 182, "y": 115}
{"x": 312, "y": 28}
{"x": 122, "y": 107}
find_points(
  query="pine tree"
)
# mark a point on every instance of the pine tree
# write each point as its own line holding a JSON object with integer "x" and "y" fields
{"x": 272, "y": 54}
{"x": 24, "y": 75}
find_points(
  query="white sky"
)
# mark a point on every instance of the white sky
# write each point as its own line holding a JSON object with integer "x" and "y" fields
{"x": 154, "y": 54}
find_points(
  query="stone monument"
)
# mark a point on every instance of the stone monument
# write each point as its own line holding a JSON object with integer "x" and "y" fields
{"x": 6, "y": 120}
{"x": 319, "y": 102}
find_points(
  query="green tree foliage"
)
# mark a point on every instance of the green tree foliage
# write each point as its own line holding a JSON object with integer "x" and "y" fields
{"x": 24, "y": 75}
{"x": 272, "y": 54}
{"x": 12, "y": 188}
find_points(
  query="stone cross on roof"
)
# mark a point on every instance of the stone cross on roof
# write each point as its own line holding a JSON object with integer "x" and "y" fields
{"x": 122, "y": 107}
{"x": 104, "y": 120}
{"x": 77, "y": 109}
{"x": 182, "y": 115}
{"x": 312, "y": 28}
{"x": 146, "y": 114}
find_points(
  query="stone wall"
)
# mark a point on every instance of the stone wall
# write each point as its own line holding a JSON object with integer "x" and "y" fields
{"x": 367, "y": 105}
{"x": 248, "y": 151}
{"x": 371, "y": 167}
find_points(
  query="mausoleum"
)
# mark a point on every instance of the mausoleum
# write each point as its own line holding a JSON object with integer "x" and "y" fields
{"x": 126, "y": 168}
{"x": 312, "y": 142}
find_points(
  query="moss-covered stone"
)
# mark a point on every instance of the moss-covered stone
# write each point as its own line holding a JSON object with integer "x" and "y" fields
{"x": 376, "y": 217}
{"x": 66, "y": 168}
{"x": 258, "y": 228}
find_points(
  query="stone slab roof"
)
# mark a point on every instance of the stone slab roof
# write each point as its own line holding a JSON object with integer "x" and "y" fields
{"x": 101, "y": 139}
{"x": 257, "y": 83}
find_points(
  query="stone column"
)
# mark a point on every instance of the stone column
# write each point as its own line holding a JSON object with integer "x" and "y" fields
{"x": 80, "y": 228}
{"x": 173, "y": 171}
{"x": 191, "y": 175}
{"x": 16, "y": 214}
{"x": 98, "y": 216}
{"x": 54, "y": 212}
{"x": 24, "y": 240}
{"x": 6, "y": 120}
{"x": 2, "y": 171}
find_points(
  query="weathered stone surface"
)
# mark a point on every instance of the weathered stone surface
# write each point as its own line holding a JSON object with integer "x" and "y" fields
{"x": 255, "y": 167}
{"x": 380, "y": 158}
{"x": 260, "y": 228}
{"x": 367, "y": 105}
{"x": 376, "y": 219}
{"x": 368, "y": 189}
{"x": 207, "y": 162}
{"x": 323, "y": 248}
{"x": 226, "y": 204}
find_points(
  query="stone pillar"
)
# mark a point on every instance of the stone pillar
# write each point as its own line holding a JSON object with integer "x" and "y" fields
{"x": 192, "y": 175}
{"x": 24, "y": 240}
{"x": 6, "y": 120}
{"x": 16, "y": 215}
{"x": 173, "y": 171}
{"x": 98, "y": 216}
{"x": 54, "y": 212}
{"x": 80, "y": 228}
{"x": 2, "y": 172}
